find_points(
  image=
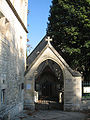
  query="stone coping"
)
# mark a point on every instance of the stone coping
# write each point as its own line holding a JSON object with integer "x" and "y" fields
{"x": 73, "y": 72}
{"x": 16, "y": 14}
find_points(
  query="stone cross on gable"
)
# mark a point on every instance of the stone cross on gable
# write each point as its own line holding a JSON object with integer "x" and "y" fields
{"x": 48, "y": 40}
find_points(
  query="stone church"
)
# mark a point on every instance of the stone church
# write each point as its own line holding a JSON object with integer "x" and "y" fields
{"x": 49, "y": 81}
{"x": 13, "y": 38}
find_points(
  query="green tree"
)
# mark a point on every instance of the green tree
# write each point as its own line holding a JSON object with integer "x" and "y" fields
{"x": 69, "y": 26}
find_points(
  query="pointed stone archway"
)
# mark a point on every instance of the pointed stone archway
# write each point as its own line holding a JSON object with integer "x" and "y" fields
{"x": 43, "y": 56}
{"x": 49, "y": 85}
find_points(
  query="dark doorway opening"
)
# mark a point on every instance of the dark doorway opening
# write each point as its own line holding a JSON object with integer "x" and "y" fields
{"x": 49, "y": 90}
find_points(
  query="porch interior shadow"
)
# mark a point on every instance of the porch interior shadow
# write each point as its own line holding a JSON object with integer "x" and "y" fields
{"x": 48, "y": 87}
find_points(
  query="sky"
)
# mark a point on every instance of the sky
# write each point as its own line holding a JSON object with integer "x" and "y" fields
{"x": 37, "y": 21}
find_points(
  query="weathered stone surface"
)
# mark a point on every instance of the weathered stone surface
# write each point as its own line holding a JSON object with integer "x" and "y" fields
{"x": 71, "y": 79}
{"x": 85, "y": 104}
{"x": 12, "y": 59}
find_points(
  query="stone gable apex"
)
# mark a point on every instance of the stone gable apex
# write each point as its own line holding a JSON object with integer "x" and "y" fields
{"x": 43, "y": 56}
{"x": 47, "y": 51}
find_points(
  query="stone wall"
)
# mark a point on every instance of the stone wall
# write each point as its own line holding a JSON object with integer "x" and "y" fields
{"x": 85, "y": 104}
{"x": 72, "y": 79}
{"x": 72, "y": 93}
{"x": 21, "y": 8}
{"x": 12, "y": 61}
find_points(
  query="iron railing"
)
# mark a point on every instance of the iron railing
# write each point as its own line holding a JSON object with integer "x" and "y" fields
{"x": 85, "y": 89}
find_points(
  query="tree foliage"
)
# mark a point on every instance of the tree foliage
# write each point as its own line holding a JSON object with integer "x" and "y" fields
{"x": 69, "y": 26}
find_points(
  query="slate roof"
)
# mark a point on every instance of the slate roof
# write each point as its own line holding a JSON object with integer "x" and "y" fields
{"x": 35, "y": 53}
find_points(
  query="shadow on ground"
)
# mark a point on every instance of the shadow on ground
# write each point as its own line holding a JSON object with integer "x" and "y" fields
{"x": 50, "y": 115}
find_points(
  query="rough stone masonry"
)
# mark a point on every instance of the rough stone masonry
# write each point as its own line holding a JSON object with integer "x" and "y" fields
{"x": 13, "y": 37}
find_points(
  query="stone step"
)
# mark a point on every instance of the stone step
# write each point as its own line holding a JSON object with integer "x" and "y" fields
{"x": 50, "y": 106}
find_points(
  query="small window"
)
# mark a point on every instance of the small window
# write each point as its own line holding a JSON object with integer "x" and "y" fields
{"x": 22, "y": 86}
{"x": 2, "y": 96}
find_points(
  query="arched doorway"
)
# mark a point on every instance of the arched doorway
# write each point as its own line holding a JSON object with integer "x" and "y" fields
{"x": 68, "y": 81}
{"x": 49, "y": 85}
